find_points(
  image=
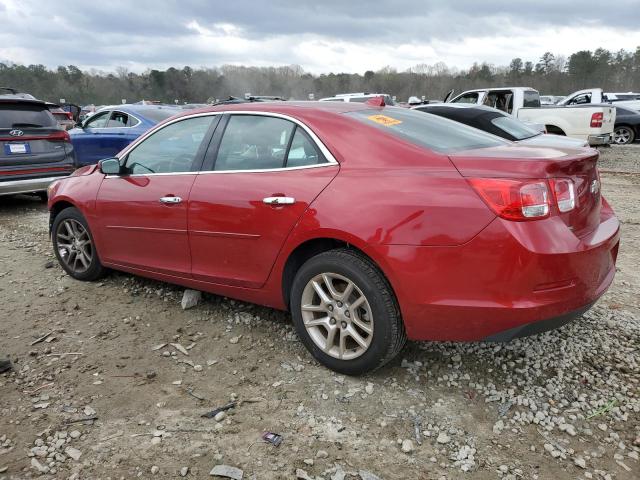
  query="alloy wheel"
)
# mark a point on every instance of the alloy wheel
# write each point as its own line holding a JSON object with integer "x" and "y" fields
{"x": 337, "y": 316}
{"x": 74, "y": 245}
{"x": 621, "y": 136}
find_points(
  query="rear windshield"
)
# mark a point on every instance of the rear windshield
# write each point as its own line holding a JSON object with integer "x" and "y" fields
{"x": 25, "y": 115}
{"x": 160, "y": 114}
{"x": 515, "y": 128}
{"x": 427, "y": 130}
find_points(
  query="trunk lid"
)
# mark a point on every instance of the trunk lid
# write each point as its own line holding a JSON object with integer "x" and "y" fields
{"x": 519, "y": 162}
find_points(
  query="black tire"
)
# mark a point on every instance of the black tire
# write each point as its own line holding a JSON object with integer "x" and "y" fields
{"x": 94, "y": 269}
{"x": 388, "y": 335}
{"x": 623, "y": 135}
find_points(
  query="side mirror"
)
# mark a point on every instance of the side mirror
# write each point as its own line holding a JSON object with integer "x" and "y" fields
{"x": 110, "y": 166}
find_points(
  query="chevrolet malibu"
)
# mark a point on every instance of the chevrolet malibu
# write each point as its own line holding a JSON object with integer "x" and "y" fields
{"x": 370, "y": 224}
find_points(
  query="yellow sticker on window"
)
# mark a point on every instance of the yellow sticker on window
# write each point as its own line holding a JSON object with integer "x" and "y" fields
{"x": 384, "y": 120}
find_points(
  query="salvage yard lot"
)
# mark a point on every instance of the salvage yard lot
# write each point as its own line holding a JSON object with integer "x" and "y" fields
{"x": 565, "y": 404}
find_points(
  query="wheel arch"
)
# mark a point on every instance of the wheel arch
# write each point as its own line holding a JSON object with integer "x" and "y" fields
{"x": 57, "y": 207}
{"x": 311, "y": 247}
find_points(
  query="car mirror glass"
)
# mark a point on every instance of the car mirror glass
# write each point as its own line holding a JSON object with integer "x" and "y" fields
{"x": 110, "y": 166}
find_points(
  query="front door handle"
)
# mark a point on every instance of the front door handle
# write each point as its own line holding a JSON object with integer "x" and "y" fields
{"x": 170, "y": 200}
{"x": 279, "y": 200}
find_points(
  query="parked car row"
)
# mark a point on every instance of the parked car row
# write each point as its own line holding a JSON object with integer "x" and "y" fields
{"x": 107, "y": 130}
{"x": 370, "y": 223}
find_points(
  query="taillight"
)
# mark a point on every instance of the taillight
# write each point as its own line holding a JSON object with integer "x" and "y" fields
{"x": 514, "y": 199}
{"x": 564, "y": 193}
{"x": 60, "y": 136}
{"x": 596, "y": 119}
{"x": 69, "y": 115}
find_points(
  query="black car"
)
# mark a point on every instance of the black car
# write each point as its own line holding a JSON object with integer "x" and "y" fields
{"x": 627, "y": 126}
{"x": 501, "y": 124}
{"x": 34, "y": 151}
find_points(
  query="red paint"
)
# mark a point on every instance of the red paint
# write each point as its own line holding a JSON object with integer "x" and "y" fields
{"x": 458, "y": 270}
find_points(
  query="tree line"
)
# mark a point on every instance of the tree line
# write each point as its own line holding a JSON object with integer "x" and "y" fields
{"x": 551, "y": 74}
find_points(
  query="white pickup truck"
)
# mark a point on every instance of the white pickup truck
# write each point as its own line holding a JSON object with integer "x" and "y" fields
{"x": 596, "y": 95}
{"x": 593, "y": 123}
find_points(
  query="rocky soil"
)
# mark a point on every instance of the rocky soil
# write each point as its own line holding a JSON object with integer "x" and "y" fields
{"x": 111, "y": 381}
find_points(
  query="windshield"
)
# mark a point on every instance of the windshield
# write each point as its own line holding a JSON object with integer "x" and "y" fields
{"x": 426, "y": 130}
{"x": 513, "y": 127}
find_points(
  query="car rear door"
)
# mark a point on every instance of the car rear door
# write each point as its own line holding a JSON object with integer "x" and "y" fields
{"x": 259, "y": 177}
{"x": 31, "y": 144}
{"x": 142, "y": 214}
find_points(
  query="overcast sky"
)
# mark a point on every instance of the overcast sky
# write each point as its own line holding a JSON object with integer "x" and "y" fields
{"x": 321, "y": 36}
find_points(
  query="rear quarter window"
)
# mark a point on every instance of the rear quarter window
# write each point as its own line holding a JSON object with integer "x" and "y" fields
{"x": 16, "y": 115}
{"x": 531, "y": 99}
{"x": 426, "y": 130}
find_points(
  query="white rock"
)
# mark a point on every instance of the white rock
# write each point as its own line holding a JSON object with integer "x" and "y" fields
{"x": 75, "y": 434}
{"x": 322, "y": 454}
{"x": 227, "y": 472}
{"x": 190, "y": 298}
{"x": 184, "y": 471}
{"x": 220, "y": 416}
{"x": 407, "y": 446}
{"x": 369, "y": 388}
{"x": 155, "y": 469}
{"x": 38, "y": 466}
{"x": 443, "y": 438}
{"x": 73, "y": 453}
{"x": 580, "y": 462}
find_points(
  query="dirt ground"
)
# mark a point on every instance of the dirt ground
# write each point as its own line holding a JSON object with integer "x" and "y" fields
{"x": 562, "y": 405}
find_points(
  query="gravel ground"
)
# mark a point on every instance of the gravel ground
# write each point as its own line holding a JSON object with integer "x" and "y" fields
{"x": 118, "y": 387}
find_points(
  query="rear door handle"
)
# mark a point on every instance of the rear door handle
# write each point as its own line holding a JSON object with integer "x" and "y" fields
{"x": 279, "y": 200}
{"x": 170, "y": 200}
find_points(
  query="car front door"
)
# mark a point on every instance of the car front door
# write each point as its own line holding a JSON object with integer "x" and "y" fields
{"x": 142, "y": 213}
{"x": 119, "y": 131}
{"x": 88, "y": 141}
{"x": 259, "y": 177}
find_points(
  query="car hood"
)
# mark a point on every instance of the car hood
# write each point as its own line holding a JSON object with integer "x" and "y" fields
{"x": 554, "y": 141}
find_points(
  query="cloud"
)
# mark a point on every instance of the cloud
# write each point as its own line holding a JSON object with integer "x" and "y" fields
{"x": 332, "y": 35}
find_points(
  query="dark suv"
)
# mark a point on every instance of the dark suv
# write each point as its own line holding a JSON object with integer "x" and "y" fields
{"x": 34, "y": 151}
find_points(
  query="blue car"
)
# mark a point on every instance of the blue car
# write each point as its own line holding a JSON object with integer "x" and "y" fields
{"x": 112, "y": 128}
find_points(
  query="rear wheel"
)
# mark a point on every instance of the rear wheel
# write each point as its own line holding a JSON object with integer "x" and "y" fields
{"x": 345, "y": 312}
{"x": 623, "y": 135}
{"x": 74, "y": 247}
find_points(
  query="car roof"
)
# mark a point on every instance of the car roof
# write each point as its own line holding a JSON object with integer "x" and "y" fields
{"x": 141, "y": 109}
{"x": 301, "y": 109}
{"x": 21, "y": 98}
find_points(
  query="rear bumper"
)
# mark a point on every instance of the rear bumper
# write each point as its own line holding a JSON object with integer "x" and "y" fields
{"x": 538, "y": 327}
{"x": 13, "y": 187}
{"x": 510, "y": 277}
{"x": 600, "y": 139}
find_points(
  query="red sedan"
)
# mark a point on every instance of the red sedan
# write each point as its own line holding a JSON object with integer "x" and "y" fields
{"x": 370, "y": 224}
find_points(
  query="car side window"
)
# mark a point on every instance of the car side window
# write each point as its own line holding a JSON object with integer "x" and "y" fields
{"x": 303, "y": 151}
{"x": 254, "y": 142}
{"x": 118, "y": 120}
{"x": 98, "y": 121}
{"x": 171, "y": 149}
{"x": 467, "y": 98}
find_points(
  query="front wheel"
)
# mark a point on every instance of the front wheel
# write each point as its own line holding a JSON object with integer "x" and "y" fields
{"x": 345, "y": 312}
{"x": 74, "y": 247}
{"x": 623, "y": 135}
